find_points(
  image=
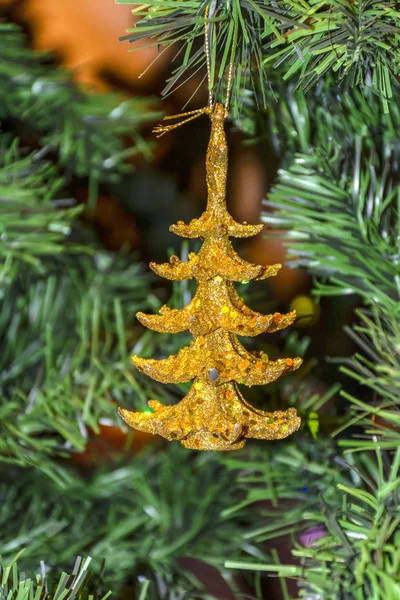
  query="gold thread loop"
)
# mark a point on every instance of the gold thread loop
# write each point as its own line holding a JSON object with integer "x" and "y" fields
{"x": 191, "y": 115}
{"x": 160, "y": 130}
{"x": 228, "y": 90}
{"x": 208, "y": 62}
{"x": 207, "y": 46}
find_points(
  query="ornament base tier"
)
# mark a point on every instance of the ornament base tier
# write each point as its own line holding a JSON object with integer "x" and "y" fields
{"x": 213, "y": 417}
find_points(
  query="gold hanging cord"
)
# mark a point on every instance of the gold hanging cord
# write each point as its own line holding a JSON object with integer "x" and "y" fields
{"x": 193, "y": 114}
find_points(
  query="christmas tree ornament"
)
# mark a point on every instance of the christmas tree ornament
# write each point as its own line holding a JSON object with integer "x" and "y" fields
{"x": 214, "y": 415}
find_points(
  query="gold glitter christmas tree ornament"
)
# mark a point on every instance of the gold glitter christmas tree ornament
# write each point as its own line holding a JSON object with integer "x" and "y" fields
{"x": 214, "y": 415}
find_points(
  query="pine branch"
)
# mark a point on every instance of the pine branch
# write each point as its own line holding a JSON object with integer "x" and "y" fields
{"x": 342, "y": 515}
{"x": 64, "y": 304}
{"x": 84, "y": 129}
{"x": 65, "y": 357}
{"x": 358, "y": 41}
{"x": 340, "y": 207}
{"x": 341, "y": 238}
{"x": 139, "y": 518}
{"x": 33, "y": 225}
{"x": 340, "y": 213}
{"x": 237, "y": 32}
{"x": 15, "y": 585}
{"x": 377, "y": 367}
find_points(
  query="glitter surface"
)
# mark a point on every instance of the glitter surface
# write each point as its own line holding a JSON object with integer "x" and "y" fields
{"x": 214, "y": 415}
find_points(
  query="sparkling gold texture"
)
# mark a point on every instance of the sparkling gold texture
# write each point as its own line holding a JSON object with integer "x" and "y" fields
{"x": 214, "y": 415}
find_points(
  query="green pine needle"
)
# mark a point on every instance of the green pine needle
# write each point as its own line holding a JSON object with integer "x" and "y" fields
{"x": 85, "y": 129}
{"x": 358, "y": 42}
{"x": 16, "y": 585}
{"x": 139, "y": 519}
{"x": 354, "y": 552}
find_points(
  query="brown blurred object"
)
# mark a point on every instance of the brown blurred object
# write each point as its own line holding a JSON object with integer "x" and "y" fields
{"x": 84, "y": 33}
{"x": 248, "y": 184}
{"x": 210, "y": 577}
{"x": 289, "y": 282}
{"x": 385, "y": 424}
{"x": 110, "y": 442}
{"x": 114, "y": 224}
{"x": 248, "y": 179}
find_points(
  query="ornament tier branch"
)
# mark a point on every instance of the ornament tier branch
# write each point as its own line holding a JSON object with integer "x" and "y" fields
{"x": 214, "y": 415}
{"x": 216, "y": 258}
{"x": 206, "y": 224}
{"x": 217, "y": 357}
{"x": 221, "y": 308}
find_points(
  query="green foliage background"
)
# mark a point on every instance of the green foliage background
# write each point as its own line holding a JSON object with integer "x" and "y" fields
{"x": 326, "y": 76}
